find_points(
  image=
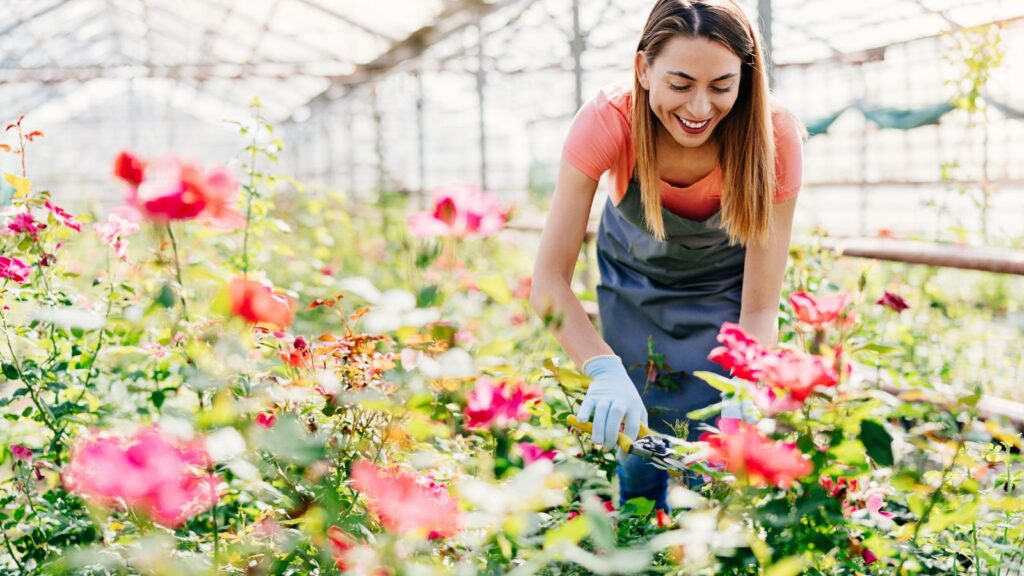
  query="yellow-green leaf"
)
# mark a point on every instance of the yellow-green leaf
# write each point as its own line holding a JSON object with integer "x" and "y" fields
{"x": 790, "y": 566}
{"x": 879, "y": 546}
{"x": 496, "y": 287}
{"x": 572, "y": 532}
{"x": 22, "y": 186}
{"x": 569, "y": 379}
{"x": 717, "y": 381}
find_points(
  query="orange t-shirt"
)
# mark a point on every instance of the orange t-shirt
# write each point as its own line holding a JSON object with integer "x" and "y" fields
{"x": 601, "y": 139}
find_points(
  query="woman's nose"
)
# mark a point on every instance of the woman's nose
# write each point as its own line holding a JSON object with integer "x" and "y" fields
{"x": 699, "y": 106}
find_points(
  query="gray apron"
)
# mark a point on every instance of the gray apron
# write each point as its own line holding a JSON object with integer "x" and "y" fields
{"x": 674, "y": 294}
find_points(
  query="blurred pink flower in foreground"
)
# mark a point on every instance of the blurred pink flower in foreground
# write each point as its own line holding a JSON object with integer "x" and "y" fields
{"x": 113, "y": 232}
{"x": 406, "y": 503}
{"x": 14, "y": 269}
{"x": 798, "y": 374}
{"x": 21, "y": 453}
{"x": 172, "y": 188}
{"x": 746, "y": 452}
{"x": 771, "y": 402}
{"x": 257, "y": 302}
{"x": 24, "y": 223}
{"x": 460, "y": 210}
{"x": 63, "y": 216}
{"x": 265, "y": 419}
{"x": 159, "y": 476}
{"x": 494, "y": 404}
{"x": 532, "y": 453}
{"x": 893, "y": 301}
{"x": 821, "y": 312}
{"x": 740, "y": 353}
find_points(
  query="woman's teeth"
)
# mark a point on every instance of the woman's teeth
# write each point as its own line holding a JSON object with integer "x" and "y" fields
{"x": 693, "y": 125}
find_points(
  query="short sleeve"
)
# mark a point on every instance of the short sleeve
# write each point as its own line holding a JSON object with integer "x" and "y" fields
{"x": 598, "y": 138}
{"x": 789, "y": 156}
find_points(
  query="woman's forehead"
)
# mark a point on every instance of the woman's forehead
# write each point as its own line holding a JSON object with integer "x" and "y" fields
{"x": 699, "y": 58}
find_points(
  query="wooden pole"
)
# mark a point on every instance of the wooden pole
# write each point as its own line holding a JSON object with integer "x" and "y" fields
{"x": 764, "y": 12}
{"x": 481, "y": 81}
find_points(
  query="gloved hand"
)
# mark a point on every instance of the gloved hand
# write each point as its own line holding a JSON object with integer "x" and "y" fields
{"x": 610, "y": 398}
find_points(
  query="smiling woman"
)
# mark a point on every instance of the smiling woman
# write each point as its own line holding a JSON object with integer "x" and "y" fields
{"x": 696, "y": 233}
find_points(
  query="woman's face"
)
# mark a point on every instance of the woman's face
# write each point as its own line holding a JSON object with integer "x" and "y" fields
{"x": 693, "y": 84}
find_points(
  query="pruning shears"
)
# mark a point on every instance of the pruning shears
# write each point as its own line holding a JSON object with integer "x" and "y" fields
{"x": 656, "y": 447}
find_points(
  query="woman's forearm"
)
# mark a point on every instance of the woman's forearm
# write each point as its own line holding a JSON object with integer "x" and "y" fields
{"x": 551, "y": 297}
{"x": 763, "y": 324}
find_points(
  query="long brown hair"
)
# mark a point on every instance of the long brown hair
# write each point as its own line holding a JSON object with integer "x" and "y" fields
{"x": 747, "y": 152}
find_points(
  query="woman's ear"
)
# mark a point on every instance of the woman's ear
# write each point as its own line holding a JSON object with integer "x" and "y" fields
{"x": 640, "y": 64}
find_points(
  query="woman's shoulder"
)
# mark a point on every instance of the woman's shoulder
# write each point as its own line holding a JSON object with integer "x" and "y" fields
{"x": 600, "y": 136}
{"x": 615, "y": 98}
{"x": 787, "y": 128}
{"x": 789, "y": 135}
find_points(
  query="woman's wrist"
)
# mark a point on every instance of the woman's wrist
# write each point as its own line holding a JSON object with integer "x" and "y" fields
{"x": 600, "y": 358}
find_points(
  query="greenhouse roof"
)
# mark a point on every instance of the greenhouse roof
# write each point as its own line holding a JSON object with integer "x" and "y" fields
{"x": 62, "y": 56}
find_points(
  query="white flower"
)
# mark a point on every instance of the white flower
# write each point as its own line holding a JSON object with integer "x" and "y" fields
{"x": 225, "y": 444}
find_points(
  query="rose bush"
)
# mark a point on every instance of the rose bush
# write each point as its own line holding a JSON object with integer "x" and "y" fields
{"x": 241, "y": 387}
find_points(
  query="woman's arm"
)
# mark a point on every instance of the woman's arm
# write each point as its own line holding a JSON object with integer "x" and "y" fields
{"x": 764, "y": 269}
{"x": 551, "y": 292}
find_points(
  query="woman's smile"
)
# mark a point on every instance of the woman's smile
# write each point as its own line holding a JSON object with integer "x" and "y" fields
{"x": 693, "y": 127}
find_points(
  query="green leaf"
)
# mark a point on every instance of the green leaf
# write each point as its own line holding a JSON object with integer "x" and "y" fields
{"x": 166, "y": 296}
{"x": 11, "y": 372}
{"x": 639, "y": 506}
{"x": 427, "y": 297}
{"x": 877, "y": 441}
{"x": 905, "y": 480}
{"x": 572, "y": 532}
{"x": 717, "y": 381}
{"x": 850, "y": 452}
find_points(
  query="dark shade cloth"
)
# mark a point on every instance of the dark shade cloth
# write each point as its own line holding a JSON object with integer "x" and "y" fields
{"x": 821, "y": 125}
{"x": 904, "y": 118}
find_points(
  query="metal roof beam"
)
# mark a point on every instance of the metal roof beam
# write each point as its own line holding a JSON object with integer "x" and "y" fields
{"x": 12, "y": 58}
{"x": 21, "y": 21}
{"x": 219, "y": 71}
{"x": 293, "y": 38}
{"x": 264, "y": 29}
{"x": 42, "y": 39}
{"x": 455, "y": 17}
{"x": 878, "y": 52}
{"x": 347, "y": 20}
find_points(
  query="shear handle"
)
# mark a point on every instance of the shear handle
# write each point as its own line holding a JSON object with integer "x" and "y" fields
{"x": 623, "y": 441}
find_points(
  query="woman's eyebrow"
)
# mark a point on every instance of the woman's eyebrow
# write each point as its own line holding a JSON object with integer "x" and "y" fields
{"x": 692, "y": 79}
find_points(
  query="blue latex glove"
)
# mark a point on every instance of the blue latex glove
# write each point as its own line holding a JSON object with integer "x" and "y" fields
{"x": 610, "y": 398}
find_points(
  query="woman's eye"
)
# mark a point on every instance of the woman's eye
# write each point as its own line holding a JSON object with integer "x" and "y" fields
{"x": 679, "y": 88}
{"x": 720, "y": 90}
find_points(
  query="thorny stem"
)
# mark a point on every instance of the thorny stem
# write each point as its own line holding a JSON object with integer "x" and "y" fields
{"x": 216, "y": 539}
{"x": 177, "y": 272}
{"x": 44, "y": 410}
{"x": 10, "y": 548}
{"x": 249, "y": 196}
{"x": 933, "y": 500}
{"x": 95, "y": 352}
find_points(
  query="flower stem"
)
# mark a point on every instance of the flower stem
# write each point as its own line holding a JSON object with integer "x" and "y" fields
{"x": 248, "y": 201}
{"x": 216, "y": 539}
{"x": 44, "y": 410}
{"x": 177, "y": 272}
{"x": 21, "y": 568}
